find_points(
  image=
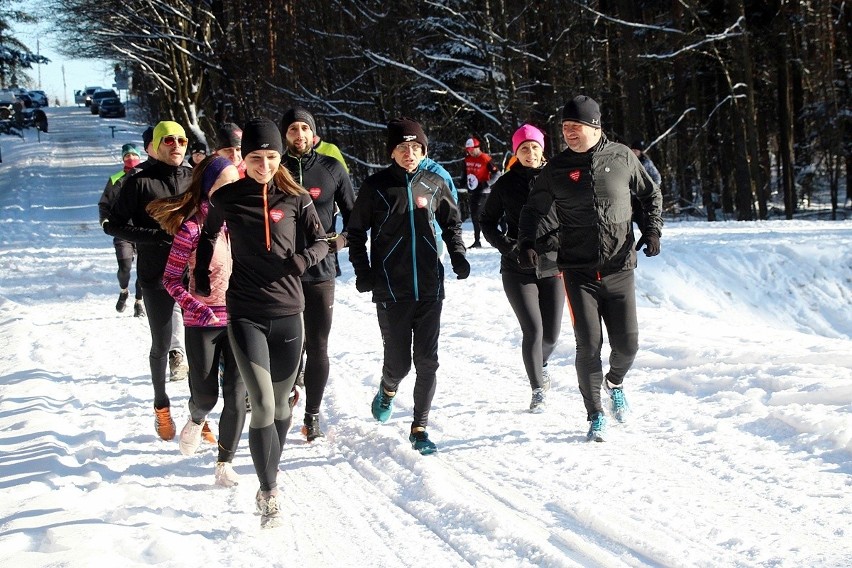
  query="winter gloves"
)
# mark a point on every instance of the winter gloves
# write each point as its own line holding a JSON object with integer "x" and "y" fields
{"x": 528, "y": 258}
{"x": 460, "y": 265}
{"x": 337, "y": 242}
{"x": 364, "y": 282}
{"x": 296, "y": 266}
{"x": 651, "y": 240}
{"x": 203, "y": 257}
{"x": 202, "y": 282}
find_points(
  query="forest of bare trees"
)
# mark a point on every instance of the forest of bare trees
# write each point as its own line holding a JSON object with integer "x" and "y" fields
{"x": 743, "y": 105}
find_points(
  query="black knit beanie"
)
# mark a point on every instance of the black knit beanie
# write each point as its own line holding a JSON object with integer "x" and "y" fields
{"x": 147, "y": 137}
{"x": 404, "y": 129}
{"x": 229, "y": 135}
{"x": 298, "y": 114}
{"x": 261, "y": 134}
{"x": 583, "y": 109}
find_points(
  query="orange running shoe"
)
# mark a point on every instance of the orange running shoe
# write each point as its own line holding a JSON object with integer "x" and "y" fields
{"x": 163, "y": 423}
{"x": 207, "y": 434}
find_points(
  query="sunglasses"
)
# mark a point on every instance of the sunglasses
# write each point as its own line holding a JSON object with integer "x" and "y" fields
{"x": 172, "y": 140}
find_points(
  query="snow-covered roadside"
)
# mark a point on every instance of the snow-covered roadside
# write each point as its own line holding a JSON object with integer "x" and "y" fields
{"x": 738, "y": 453}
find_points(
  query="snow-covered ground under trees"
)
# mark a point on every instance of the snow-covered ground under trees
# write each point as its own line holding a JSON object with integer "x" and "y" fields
{"x": 738, "y": 451}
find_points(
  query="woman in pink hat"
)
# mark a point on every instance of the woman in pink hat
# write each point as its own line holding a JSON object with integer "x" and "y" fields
{"x": 535, "y": 294}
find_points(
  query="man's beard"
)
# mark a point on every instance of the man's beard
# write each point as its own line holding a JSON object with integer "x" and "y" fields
{"x": 296, "y": 152}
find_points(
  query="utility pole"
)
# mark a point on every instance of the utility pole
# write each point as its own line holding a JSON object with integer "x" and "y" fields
{"x": 38, "y": 52}
{"x": 64, "y": 88}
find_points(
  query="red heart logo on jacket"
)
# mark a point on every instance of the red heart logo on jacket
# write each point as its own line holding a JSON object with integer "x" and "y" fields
{"x": 574, "y": 175}
{"x": 421, "y": 202}
{"x": 276, "y": 215}
{"x": 315, "y": 193}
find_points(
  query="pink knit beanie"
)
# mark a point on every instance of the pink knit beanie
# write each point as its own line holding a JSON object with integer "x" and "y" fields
{"x": 524, "y": 133}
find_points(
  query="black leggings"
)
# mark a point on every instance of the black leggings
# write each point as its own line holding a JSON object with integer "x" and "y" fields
{"x": 124, "y": 253}
{"x": 319, "y": 303}
{"x": 267, "y": 354}
{"x": 611, "y": 299}
{"x": 538, "y": 305}
{"x": 476, "y": 201}
{"x": 400, "y": 322}
{"x": 204, "y": 348}
{"x": 159, "y": 306}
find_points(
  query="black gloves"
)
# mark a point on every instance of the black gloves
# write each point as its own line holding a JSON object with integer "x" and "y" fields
{"x": 364, "y": 282}
{"x": 202, "y": 282}
{"x": 337, "y": 242}
{"x": 203, "y": 257}
{"x": 528, "y": 258}
{"x": 296, "y": 265}
{"x": 651, "y": 240}
{"x": 460, "y": 265}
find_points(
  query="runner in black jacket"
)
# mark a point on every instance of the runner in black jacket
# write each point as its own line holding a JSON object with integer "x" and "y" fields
{"x": 536, "y": 294}
{"x": 128, "y": 220}
{"x": 398, "y": 206}
{"x": 125, "y": 251}
{"x": 328, "y": 184}
{"x": 275, "y": 236}
{"x": 591, "y": 184}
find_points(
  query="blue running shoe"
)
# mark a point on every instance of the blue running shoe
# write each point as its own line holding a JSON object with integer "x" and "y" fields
{"x": 420, "y": 441}
{"x": 597, "y": 427}
{"x": 382, "y": 405}
{"x": 620, "y": 408}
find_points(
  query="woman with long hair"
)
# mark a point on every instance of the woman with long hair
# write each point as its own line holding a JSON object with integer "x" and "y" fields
{"x": 205, "y": 318}
{"x": 275, "y": 235}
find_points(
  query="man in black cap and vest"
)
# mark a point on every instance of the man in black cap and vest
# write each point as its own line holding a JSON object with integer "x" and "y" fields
{"x": 399, "y": 207}
{"x": 590, "y": 184}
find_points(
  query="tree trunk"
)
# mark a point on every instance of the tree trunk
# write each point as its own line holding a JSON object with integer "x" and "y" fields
{"x": 785, "y": 132}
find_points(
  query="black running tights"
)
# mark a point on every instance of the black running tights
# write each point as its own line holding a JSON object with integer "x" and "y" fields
{"x": 124, "y": 253}
{"x": 410, "y": 330}
{"x": 267, "y": 354}
{"x": 204, "y": 348}
{"x": 611, "y": 300}
{"x": 319, "y": 303}
{"x": 538, "y": 305}
{"x": 159, "y": 307}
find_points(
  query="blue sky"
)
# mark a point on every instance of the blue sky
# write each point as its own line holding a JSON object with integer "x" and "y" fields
{"x": 78, "y": 73}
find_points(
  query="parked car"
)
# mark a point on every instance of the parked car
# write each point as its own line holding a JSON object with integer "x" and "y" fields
{"x": 7, "y": 102}
{"x": 111, "y": 108}
{"x": 14, "y": 116}
{"x": 40, "y": 97}
{"x": 100, "y": 95}
{"x": 87, "y": 95}
{"x": 28, "y": 100}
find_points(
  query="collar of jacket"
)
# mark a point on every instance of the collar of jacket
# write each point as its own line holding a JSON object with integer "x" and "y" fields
{"x": 298, "y": 164}
{"x": 292, "y": 160}
{"x": 525, "y": 172}
{"x": 251, "y": 185}
{"x": 601, "y": 143}
{"x": 402, "y": 175}
{"x": 163, "y": 166}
